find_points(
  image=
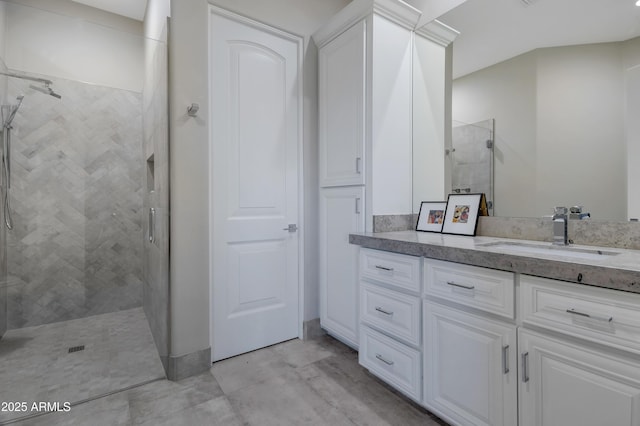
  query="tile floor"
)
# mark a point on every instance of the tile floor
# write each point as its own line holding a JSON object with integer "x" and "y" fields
{"x": 36, "y": 366}
{"x": 314, "y": 382}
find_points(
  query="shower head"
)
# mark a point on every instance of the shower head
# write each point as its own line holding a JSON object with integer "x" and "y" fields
{"x": 47, "y": 90}
{"x": 13, "y": 109}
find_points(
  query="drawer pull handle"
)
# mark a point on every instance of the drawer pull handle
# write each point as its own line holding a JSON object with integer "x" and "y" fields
{"x": 505, "y": 359}
{"x": 525, "y": 367}
{"x": 384, "y": 268}
{"x": 466, "y": 287}
{"x": 383, "y": 311}
{"x": 383, "y": 359}
{"x": 582, "y": 314}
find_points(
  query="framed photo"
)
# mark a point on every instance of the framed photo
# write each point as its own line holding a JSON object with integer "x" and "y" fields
{"x": 462, "y": 213}
{"x": 431, "y": 216}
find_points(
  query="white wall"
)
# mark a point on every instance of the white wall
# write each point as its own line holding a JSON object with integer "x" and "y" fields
{"x": 559, "y": 129}
{"x": 156, "y": 18}
{"x": 580, "y": 147}
{"x": 429, "y": 94}
{"x": 633, "y": 141}
{"x": 391, "y": 119}
{"x": 506, "y": 92}
{"x": 155, "y": 32}
{"x": 3, "y": 29}
{"x": 87, "y": 45}
{"x": 88, "y": 13}
{"x": 189, "y": 154}
{"x": 632, "y": 124}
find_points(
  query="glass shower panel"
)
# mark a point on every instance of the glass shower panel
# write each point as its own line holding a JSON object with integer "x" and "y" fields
{"x": 82, "y": 317}
{"x": 472, "y": 159}
{"x": 155, "y": 272}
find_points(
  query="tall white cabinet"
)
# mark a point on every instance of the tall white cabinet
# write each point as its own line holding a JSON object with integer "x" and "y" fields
{"x": 382, "y": 99}
{"x": 365, "y": 141}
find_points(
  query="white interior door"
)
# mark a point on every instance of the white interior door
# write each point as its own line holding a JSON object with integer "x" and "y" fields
{"x": 255, "y": 138}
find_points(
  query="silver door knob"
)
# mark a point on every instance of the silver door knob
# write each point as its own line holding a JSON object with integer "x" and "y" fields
{"x": 291, "y": 228}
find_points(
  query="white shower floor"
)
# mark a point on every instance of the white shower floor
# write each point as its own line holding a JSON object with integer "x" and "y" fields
{"x": 36, "y": 365}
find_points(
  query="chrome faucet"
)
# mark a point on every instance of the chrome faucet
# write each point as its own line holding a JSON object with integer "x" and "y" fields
{"x": 560, "y": 226}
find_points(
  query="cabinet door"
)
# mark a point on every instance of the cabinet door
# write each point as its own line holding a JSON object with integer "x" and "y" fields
{"x": 470, "y": 367}
{"x": 564, "y": 383}
{"x": 340, "y": 214}
{"x": 341, "y": 108}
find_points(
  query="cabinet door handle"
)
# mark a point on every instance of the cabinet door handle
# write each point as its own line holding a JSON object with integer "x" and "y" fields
{"x": 596, "y": 317}
{"x": 505, "y": 359}
{"x": 358, "y": 205}
{"x": 466, "y": 287}
{"x": 384, "y": 268}
{"x": 383, "y": 311}
{"x": 383, "y": 359}
{"x": 358, "y": 165}
{"x": 525, "y": 367}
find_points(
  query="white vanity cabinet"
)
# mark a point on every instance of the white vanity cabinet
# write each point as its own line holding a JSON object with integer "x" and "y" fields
{"x": 340, "y": 215}
{"x": 341, "y": 79}
{"x": 470, "y": 352}
{"x": 571, "y": 384}
{"x": 579, "y": 354}
{"x": 478, "y": 346}
{"x": 390, "y": 316}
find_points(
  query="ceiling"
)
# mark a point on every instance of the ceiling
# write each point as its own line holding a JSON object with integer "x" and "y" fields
{"x": 492, "y": 31}
{"x": 133, "y": 9}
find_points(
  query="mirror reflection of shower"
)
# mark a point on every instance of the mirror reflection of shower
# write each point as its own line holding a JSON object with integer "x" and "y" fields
{"x": 471, "y": 157}
{"x": 8, "y": 114}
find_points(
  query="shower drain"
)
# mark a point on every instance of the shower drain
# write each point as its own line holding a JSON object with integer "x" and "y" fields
{"x": 76, "y": 348}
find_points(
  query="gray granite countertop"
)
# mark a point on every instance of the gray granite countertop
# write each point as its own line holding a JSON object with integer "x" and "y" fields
{"x": 620, "y": 271}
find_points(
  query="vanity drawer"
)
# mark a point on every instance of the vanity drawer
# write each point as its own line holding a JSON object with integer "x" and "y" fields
{"x": 390, "y": 311}
{"x": 481, "y": 288}
{"x": 399, "y": 270}
{"x": 599, "y": 315}
{"x": 395, "y": 363}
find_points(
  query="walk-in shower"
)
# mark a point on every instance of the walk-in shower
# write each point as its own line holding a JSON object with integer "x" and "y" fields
{"x": 81, "y": 311}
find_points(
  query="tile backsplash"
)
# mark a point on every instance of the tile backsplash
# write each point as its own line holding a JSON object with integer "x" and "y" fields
{"x": 584, "y": 232}
{"x": 394, "y": 222}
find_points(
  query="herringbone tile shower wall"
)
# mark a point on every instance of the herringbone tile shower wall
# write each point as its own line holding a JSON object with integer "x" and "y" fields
{"x": 76, "y": 195}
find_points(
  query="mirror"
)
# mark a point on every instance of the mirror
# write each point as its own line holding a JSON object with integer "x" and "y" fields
{"x": 562, "y": 81}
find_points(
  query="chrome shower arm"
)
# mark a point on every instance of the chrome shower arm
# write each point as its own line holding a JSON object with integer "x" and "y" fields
{"x": 26, "y": 77}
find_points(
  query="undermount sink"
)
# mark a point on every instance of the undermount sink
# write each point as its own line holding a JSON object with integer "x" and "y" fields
{"x": 550, "y": 250}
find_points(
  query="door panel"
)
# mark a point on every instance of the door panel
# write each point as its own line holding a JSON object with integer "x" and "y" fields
{"x": 575, "y": 385}
{"x": 248, "y": 263}
{"x": 470, "y": 367}
{"x": 255, "y": 138}
{"x": 341, "y": 78}
{"x": 340, "y": 215}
